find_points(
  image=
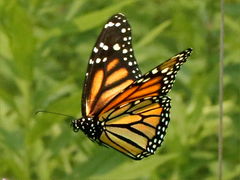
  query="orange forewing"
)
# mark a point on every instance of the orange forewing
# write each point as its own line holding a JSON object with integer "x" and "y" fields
{"x": 112, "y": 64}
{"x": 156, "y": 82}
{"x": 96, "y": 85}
{"x": 108, "y": 95}
{"x": 116, "y": 76}
{"x": 135, "y": 92}
{"x": 114, "y": 56}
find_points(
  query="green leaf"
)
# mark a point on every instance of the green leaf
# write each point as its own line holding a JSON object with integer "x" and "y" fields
{"x": 18, "y": 27}
{"x": 96, "y": 18}
{"x": 153, "y": 34}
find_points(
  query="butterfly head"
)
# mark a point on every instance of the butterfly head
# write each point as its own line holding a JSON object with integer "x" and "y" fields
{"x": 88, "y": 125}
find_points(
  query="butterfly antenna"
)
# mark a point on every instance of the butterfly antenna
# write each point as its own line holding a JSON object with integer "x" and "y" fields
{"x": 50, "y": 112}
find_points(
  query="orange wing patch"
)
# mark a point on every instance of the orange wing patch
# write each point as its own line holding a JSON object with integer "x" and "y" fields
{"x": 119, "y": 111}
{"x": 99, "y": 92}
{"x": 128, "y": 134}
{"x": 153, "y": 121}
{"x": 109, "y": 94}
{"x": 104, "y": 81}
{"x": 131, "y": 127}
{"x": 116, "y": 76}
{"x": 150, "y": 82}
{"x": 119, "y": 144}
{"x": 105, "y": 115}
{"x": 154, "y": 111}
{"x": 148, "y": 131}
{"x": 96, "y": 84}
{"x": 114, "y": 91}
{"x": 144, "y": 92}
{"x": 149, "y": 88}
{"x": 140, "y": 105}
{"x": 119, "y": 99}
{"x": 112, "y": 64}
{"x": 156, "y": 82}
{"x": 148, "y": 108}
{"x": 124, "y": 119}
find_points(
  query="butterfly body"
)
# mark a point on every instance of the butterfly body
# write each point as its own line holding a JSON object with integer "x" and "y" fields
{"x": 122, "y": 108}
{"x": 89, "y": 126}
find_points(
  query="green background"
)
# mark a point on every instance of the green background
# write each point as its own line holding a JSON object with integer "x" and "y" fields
{"x": 44, "y": 51}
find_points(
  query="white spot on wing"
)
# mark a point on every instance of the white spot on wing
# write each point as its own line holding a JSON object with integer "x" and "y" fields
{"x": 105, "y": 47}
{"x": 98, "y": 60}
{"x": 116, "y": 47}
{"x": 154, "y": 71}
{"x": 164, "y": 70}
{"x": 105, "y": 59}
{"x": 95, "y": 50}
{"x": 123, "y": 30}
{"x": 124, "y": 51}
{"x": 110, "y": 24}
{"x": 136, "y": 102}
{"x": 118, "y": 24}
{"x": 101, "y": 44}
{"x": 145, "y": 80}
{"x": 140, "y": 80}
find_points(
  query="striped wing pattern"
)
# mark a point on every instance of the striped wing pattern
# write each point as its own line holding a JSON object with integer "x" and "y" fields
{"x": 122, "y": 108}
{"x": 158, "y": 81}
{"x": 112, "y": 66}
{"x": 137, "y": 128}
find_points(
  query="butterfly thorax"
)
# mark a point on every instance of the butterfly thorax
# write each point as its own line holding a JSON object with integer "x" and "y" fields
{"x": 89, "y": 126}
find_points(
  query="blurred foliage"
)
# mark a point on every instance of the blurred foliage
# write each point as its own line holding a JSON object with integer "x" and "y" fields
{"x": 44, "y": 51}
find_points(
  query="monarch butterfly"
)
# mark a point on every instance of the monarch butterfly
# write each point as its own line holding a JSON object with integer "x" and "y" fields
{"x": 122, "y": 108}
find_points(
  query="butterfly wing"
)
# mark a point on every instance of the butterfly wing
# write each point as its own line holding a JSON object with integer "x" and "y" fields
{"x": 112, "y": 66}
{"x": 137, "y": 128}
{"x": 158, "y": 81}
